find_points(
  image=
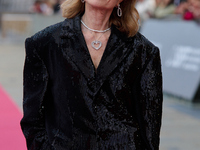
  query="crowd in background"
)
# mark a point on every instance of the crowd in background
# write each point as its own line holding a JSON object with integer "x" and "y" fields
{"x": 188, "y": 9}
{"x": 46, "y": 7}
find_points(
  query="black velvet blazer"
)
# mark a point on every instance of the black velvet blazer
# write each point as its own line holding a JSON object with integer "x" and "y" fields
{"x": 68, "y": 105}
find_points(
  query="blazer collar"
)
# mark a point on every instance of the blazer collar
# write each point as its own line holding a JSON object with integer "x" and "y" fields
{"x": 74, "y": 48}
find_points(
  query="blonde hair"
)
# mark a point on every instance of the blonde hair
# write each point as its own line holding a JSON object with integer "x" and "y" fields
{"x": 128, "y": 23}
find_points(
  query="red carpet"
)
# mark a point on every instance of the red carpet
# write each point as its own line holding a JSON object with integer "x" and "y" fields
{"x": 11, "y": 137}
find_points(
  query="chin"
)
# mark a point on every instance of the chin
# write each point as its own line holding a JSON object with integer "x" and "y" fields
{"x": 103, "y": 4}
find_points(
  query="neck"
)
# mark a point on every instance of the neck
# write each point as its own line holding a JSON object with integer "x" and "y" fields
{"x": 95, "y": 18}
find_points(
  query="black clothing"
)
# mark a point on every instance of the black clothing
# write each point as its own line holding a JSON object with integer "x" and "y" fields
{"x": 68, "y": 105}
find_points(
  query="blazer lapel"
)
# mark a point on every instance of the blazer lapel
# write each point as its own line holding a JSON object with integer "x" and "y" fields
{"x": 118, "y": 47}
{"x": 74, "y": 47}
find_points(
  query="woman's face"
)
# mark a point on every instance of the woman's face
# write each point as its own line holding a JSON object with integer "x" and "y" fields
{"x": 103, "y": 4}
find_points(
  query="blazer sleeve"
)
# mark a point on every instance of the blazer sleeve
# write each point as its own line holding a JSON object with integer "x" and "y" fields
{"x": 35, "y": 85}
{"x": 150, "y": 98}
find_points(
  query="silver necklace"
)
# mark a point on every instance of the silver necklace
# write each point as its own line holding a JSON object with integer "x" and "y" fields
{"x": 99, "y": 31}
{"x": 96, "y": 44}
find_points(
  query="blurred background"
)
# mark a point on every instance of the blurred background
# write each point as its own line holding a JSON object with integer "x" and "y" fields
{"x": 172, "y": 25}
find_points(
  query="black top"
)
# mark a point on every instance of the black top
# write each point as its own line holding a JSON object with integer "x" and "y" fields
{"x": 68, "y": 105}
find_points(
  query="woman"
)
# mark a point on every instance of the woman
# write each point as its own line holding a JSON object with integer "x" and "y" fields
{"x": 92, "y": 81}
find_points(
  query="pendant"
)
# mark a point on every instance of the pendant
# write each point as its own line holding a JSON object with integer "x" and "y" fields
{"x": 96, "y": 45}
